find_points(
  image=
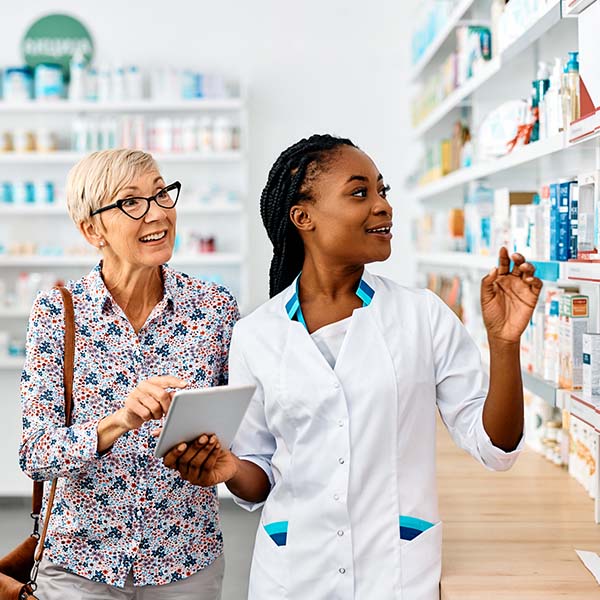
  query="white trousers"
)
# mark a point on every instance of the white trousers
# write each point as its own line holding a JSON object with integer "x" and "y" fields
{"x": 56, "y": 583}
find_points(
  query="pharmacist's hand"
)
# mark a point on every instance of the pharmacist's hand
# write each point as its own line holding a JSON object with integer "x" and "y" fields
{"x": 202, "y": 462}
{"x": 149, "y": 400}
{"x": 508, "y": 298}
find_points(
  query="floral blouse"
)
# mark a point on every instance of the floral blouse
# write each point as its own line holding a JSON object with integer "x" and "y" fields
{"x": 122, "y": 510}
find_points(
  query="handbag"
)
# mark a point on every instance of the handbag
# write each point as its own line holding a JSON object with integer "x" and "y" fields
{"x": 19, "y": 568}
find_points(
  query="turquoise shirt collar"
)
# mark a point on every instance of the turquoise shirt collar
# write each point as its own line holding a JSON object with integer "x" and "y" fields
{"x": 364, "y": 291}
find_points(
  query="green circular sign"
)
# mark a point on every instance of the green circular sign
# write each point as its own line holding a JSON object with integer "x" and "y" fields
{"x": 55, "y": 39}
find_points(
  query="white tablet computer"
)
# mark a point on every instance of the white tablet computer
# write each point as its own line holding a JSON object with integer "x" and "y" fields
{"x": 217, "y": 410}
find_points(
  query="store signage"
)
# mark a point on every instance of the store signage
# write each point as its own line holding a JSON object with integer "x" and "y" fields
{"x": 55, "y": 39}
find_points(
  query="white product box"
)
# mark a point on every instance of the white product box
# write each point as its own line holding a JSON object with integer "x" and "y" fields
{"x": 591, "y": 364}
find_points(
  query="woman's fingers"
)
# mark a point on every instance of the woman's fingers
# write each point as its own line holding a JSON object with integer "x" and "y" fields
{"x": 526, "y": 270}
{"x": 518, "y": 260}
{"x": 168, "y": 381}
{"x": 200, "y": 446}
{"x": 503, "y": 262}
{"x": 158, "y": 393}
{"x": 172, "y": 456}
{"x": 202, "y": 461}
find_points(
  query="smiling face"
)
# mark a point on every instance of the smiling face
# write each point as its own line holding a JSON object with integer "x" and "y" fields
{"x": 349, "y": 220}
{"x": 147, "y": 242}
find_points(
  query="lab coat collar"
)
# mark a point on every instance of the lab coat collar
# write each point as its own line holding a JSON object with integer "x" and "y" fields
{"x": 293, "y": 309}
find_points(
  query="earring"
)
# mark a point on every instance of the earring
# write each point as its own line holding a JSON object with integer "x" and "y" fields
{"x": 101, "y": 244}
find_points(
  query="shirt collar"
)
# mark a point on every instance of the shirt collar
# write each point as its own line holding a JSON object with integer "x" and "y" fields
{"x": 294, "y": 311}
{"x": 102, "y": 299}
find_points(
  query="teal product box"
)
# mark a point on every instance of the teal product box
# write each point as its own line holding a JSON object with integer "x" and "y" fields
{"x": 554, "y": 221}
{"x": 563, "y": 246}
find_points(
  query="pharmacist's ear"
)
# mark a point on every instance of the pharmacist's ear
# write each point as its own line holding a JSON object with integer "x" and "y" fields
{"x": 301, "y": 218}
{"x": 90, "y": 232}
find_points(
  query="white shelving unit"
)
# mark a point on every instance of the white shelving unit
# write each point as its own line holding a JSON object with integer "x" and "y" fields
{"x": 530, "y": 35}
{"x": 70, "y": 158}
{"x": 176, "y": 106}
{"x": 457, "y": 14}
{"x": 50, "y": 226}
{"x": 525, "y": 168}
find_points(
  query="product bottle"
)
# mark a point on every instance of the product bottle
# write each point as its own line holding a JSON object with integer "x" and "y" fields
{"x": 573, "y": 84}
{"x": 77, "y": 87}
{"x": 540, "y": 87}
{"x": 118, "y": 84}
{"x": 91, "y": 86}
{"x": 551, "y": 119}
{"x": 566, "y": 98}
{"x": 133, "y": 83}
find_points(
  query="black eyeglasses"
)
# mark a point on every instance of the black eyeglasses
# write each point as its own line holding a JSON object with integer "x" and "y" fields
{"x": 137, "y": 208}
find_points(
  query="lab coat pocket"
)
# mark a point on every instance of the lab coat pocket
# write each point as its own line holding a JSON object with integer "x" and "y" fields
{"x": 422, "y": 565}
{"x": 269, "y": 572}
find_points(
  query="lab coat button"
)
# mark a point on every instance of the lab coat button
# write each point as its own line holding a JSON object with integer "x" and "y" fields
{"x": 342, "y": 570}
{"x": 340, "y": 423}
{"x": 336, "y": 497}
{"x": 340, "y": 533}
{"x": 336, "y": 385}
{"x": 341, "y": 461}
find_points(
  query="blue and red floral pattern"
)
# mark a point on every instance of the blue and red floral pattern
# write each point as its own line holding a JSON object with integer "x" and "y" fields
{"x": 123, "y": 510}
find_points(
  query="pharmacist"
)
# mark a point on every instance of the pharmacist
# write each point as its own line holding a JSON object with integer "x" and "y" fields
{"x": 339, "y": 440}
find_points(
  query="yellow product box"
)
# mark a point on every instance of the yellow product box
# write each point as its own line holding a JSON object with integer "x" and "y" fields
{"x": 574, "y": 317}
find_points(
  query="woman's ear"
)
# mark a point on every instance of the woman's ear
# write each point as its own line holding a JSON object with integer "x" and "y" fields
{"x": 300, "y": 217}
{"x": 90, "y": 232}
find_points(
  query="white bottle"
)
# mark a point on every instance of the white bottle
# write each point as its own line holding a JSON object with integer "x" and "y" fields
{"x": 118, "y": 84}
{"x": 205, "y": 135}
{"x": 91, "y": 85}
{"x": 551, "y": 116}
{"x": 133, "y": 83}
{"x": 104, "y": 84}
{"x": 222, "y": 135}
{"x": 77, "y": 84}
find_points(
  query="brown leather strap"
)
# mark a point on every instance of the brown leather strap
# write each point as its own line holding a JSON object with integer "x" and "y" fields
{"x": 68, "y": 369}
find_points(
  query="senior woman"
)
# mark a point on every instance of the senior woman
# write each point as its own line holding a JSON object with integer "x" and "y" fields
{"x": 123, "y": 525}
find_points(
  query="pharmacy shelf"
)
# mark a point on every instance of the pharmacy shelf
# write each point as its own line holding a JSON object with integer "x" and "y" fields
{"x": 68, "y": 157}
{"x": 67, "y": 107}
{"x": 11, "y": 363}
{"x": 518, "y": 157}
{"x": 457, "y": 14}
{"x": 546, "y": 390}
{"x": 575, "y": 7}
{"x": 457, "y": 97}
{"x": 544, "y": 21}
{"x": 550, "y": 17}
{"x": 60, "y": 210}
{"x": 585, "y": 408}
{"x": 208, "y": 259}
{"x": 457, "y": 259}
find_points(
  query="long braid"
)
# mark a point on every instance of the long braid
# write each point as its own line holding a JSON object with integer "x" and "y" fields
{"x": 287, "y": 185}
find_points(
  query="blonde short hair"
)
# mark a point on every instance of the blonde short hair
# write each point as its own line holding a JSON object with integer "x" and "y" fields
{"x": 97, "y": 178}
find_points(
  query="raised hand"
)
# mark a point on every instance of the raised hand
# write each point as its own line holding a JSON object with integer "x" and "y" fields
{"x": 508, "y": 298}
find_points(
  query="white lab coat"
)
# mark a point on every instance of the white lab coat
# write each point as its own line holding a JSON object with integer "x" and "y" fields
{"x": 350, "y": 451}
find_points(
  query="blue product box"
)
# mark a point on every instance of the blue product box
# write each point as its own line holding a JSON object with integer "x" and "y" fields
{"x": 573, "y": 217}
{"x": 564, "y": 225}
{"x": 554, "y": 221}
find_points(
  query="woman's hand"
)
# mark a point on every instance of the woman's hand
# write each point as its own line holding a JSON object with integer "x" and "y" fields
{"x": 202, "y": 462}
{"x": 149, "y": 400}
{"x": 508, "y": 298}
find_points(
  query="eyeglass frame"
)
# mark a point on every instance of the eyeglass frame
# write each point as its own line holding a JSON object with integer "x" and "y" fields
{"x": 119, "y": 203}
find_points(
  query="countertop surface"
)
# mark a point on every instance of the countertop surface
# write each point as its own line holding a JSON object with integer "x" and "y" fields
{"x": 513, "y": 535}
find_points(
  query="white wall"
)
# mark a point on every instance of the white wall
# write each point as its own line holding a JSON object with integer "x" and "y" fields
{"x": 313, "y": 66}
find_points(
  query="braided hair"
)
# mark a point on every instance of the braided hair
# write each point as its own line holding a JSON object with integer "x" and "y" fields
{"x": 290, "y": 181}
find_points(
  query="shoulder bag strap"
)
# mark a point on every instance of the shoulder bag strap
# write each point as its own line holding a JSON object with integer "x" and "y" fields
{"x": 68, "y": 366}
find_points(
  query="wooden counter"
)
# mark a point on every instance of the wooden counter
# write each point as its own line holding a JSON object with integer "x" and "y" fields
{"x": 512, "y": 535}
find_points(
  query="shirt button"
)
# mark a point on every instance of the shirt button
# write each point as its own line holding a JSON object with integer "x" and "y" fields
{"x": 342, "y": 570}
{"x": 336, "y": 385}
{"x": 340, "y": 533}
{"x": 341, "y": 461}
